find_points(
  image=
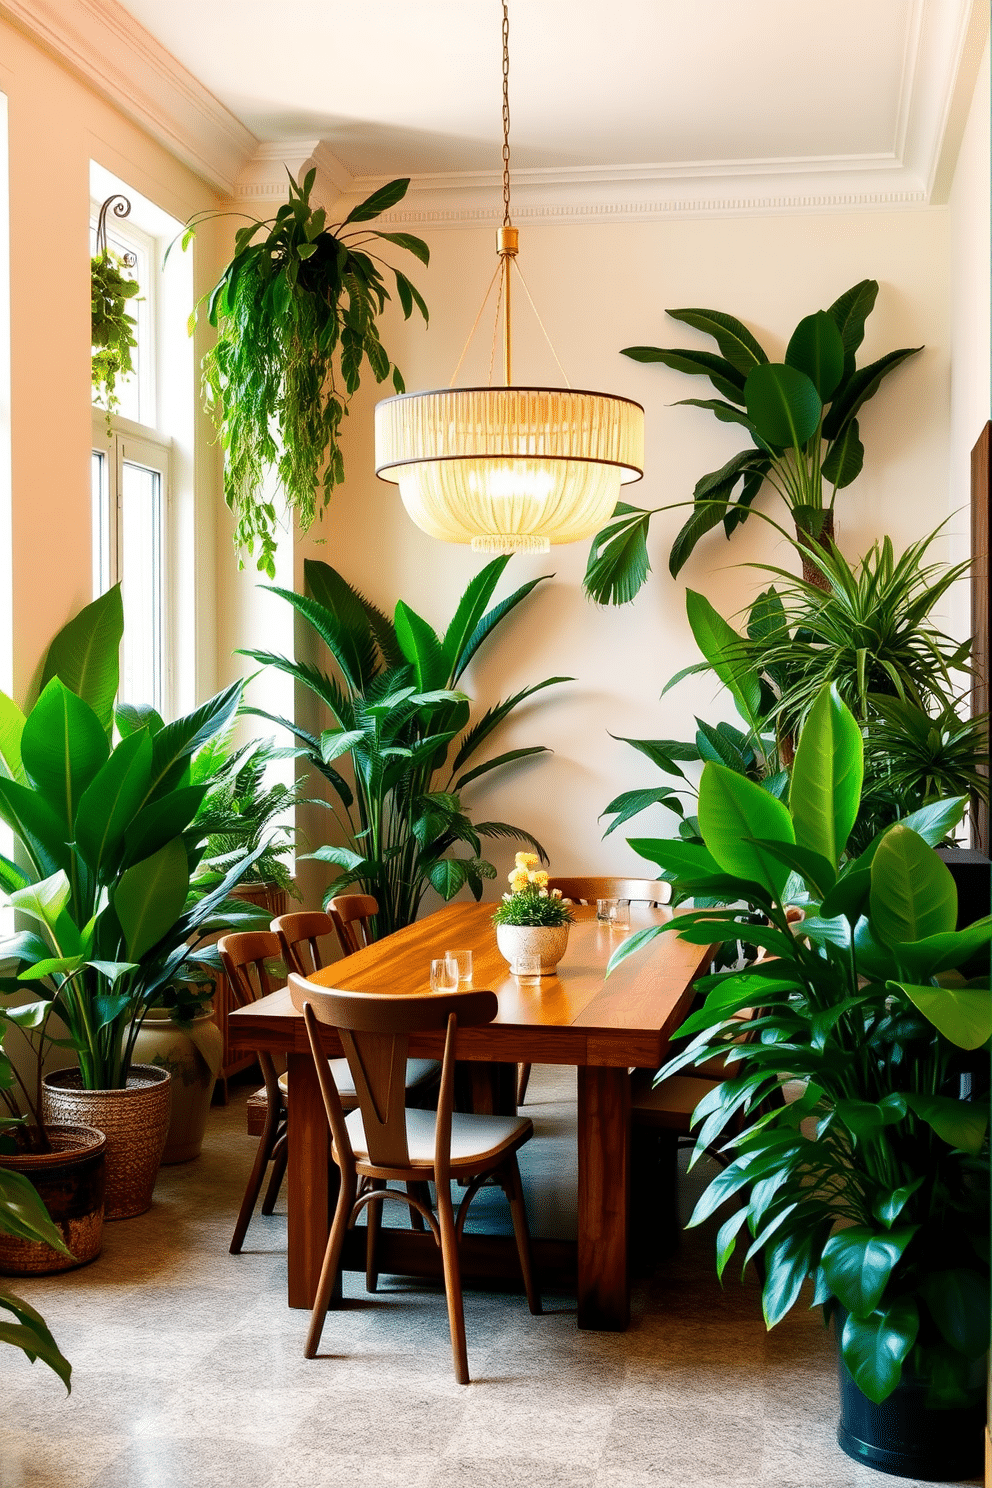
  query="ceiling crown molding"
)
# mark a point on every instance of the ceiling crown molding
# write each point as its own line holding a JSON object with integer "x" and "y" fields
{"x": 107, "y": 48}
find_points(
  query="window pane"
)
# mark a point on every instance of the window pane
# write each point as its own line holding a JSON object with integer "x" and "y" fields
{"x": 141, "y": 573}
{"x": 100, "y": 484}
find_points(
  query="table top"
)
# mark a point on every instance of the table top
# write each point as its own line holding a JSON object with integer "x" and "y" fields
{"x": 578, "y": 1016}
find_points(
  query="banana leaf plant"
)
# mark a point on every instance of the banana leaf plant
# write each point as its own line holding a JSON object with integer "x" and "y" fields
{"x": 295, "y": 312}
{"x": 406, "y": 728}
{"x": 872, "y": 1188}
{"x": 801, "y": 417}
{"x": 109, "y": 852}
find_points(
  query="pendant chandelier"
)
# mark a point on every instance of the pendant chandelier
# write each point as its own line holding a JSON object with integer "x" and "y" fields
{"x": 509, "y": 468}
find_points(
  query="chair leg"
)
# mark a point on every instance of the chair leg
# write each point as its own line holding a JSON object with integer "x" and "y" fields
{"x": 373, "y": 1219}
{"x": 523, "y": 1080}
{"x": 452, "y": 1282}
{"x": 266, "y": 1147}
{"x": 518, "y": 1212}
{"x": 332, "y": 1262}
{"x": 422, "y": 1192}
{"x": 280, "y": 1154}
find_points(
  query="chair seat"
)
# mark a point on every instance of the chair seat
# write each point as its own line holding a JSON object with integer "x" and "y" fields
{"x": 418, "y": 1072}
{"x": 476, "y": 1141}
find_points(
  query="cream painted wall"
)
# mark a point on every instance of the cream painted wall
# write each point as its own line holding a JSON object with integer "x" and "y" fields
{"x": 599, "y": 288}
{"x": 56, "y": 125}
{"x": 971, "y": 322}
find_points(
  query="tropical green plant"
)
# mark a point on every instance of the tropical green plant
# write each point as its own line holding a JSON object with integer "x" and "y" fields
{"x": 879, "y": 1006}
{"x": 112, "y": 329}
{"x": 398, "y": 716}
{"x": 295, "y": 313}
{"x": 242, "y": 812}
{"x": 801, "y": 416}
{"x": 530, "y": 901}
{"x": 872, "y": 633}
{"x": 23, "y": 1214}
{"x": 109, "y": 851}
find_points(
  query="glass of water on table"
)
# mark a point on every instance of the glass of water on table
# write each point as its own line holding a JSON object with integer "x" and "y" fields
{"x": 444, "y": 975}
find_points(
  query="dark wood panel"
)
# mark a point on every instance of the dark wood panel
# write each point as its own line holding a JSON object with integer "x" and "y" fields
{"x": 604, "y": 1199}
{"x": 981, "y": 500}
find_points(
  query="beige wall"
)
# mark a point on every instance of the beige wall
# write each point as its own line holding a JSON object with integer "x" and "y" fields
{"x": 56, "y": 125}
{"x": 599, "y": 288}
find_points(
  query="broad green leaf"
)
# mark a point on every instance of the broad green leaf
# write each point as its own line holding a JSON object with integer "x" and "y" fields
{"x": 336, "y": 742}
{"x": 933, "y": 822}
{"x": 497, "y": 763}
{"x": 618, "y": 563}
{"x": 724, "y": 376}
{"x": 23, "y": 1214}
{"x": 111, "y": 800}
{"x": 413, "y": 245}
{"x": 149, "y": 898}
{"x": 845, "y": 457}
{"x": 787, "y": 1267}
{"x": 959, "y": 1304}
{"x": 85, "y": 654}
{"x": 63, "y": 746}
{"x": 161, "y": 821}
{"x": 858, "y": 388}
{"x": 913, "y": 894}
{"x": 45, "y": 900}
{"x": 875, "y": 1347}
{"x": 866, "y": 1119}
{"x": 176, "y": 742}
{"x": 632, "y": 943}
{"x": 960, "y": 1123}
{"x": 11, "y": 728}
{"x": 937, "y": 953}
{"x": 783, "y": 405}
{"x": 735, "y": 341}
{"x": 685, "y": 860}
{"x": 851, "y": 311}
{"x": 421, "y": 647}
{"x": 448, "y": 876}
{"x": 817, "y": 873}
{"x": 962, "y": 1014}
{"x": 734, "y": 815}
{"x": 343, "y": 857}
{"x": 727, "y": 653}
{"x": 825, "y": 791}
{"x": 380, "y": 201}
{"x": 631, "y": 803}
{"x": 849, "y": 896}
{"x": 36, "y": 825}
{"x": 491, "y": 619}
{"x": 858, "y": 1263}
{"x": 470, "y": 610}
{"x": 817, "y": 348}
{"x": 706, "y": 515}
{"x": 889, "y": 1205}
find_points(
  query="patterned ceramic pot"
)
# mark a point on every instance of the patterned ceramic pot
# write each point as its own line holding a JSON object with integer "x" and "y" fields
{"x": 193, "y": 1056}
{"x": 548, "y": 941}
{"x": 136, "y": 1124}
{"x": 70, "y": 1182}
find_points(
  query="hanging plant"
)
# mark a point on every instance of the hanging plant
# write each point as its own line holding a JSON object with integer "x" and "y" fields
{"x": 112, "y": 328}
{"x": 295, "y": 313}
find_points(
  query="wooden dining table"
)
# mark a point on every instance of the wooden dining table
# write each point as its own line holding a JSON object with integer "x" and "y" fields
{"x": 604, "y": 1026}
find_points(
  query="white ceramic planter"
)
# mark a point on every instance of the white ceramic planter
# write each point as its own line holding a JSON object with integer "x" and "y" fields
{"x": 549, "y": 941}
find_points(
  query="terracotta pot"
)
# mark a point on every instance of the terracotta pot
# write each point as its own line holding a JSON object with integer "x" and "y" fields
{"x": 549, "y": 941}
{"x": 70, "y": 1181}
{"x": 136, "y": 1124}
{"x": 193, "y": 1057}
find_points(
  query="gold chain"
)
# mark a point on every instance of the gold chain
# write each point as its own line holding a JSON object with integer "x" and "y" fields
{"x": 506, "y": 115}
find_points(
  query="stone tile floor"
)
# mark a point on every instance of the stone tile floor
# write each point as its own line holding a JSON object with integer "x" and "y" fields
{"x": 188, "y": 1369}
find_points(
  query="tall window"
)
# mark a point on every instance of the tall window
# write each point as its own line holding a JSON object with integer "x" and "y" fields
{"x": 132, "y": 464}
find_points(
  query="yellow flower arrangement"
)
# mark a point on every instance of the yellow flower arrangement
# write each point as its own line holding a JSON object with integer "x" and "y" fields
{"x": 530, "y": 901}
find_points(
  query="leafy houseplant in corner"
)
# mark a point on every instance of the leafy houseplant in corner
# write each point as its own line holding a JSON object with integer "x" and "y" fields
{"x": 408, "y": 734}
{"x": 110, "y": 851}
{"x": 874, "y": 1183}
{"x": 295, "y": 312}
{"x": 532, "y": 919}
{"x": 802, "y": 419}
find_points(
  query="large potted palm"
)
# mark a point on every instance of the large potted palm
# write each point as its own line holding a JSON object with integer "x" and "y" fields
{"x": 106, "y": 878}
{"x": 871, "y": 1186}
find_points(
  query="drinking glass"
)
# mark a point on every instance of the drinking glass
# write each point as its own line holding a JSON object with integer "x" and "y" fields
{"x": 527, "y": 966}
{"x": 463, "y": 960}
{"x": 620, "y": 918}
{"x": 604, "y": 910}
{"x": 444, "y": 975}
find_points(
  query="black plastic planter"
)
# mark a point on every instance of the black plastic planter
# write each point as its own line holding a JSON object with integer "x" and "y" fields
{"x": 904, "y": 1436}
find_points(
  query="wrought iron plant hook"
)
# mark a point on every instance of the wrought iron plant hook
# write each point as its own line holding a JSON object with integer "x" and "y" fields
{"x": 121, "y": 207}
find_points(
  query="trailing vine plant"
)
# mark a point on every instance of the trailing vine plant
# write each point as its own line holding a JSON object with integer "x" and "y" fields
{"x": 112, "y": 331}
{"x": 295, "y": 313}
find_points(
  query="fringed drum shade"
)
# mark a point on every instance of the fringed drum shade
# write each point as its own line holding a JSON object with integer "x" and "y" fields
{"x": 509, "y": 468}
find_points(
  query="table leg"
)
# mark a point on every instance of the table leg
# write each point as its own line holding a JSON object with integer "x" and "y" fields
{"x": 310, "y": 1197}
{"x": 604, "y": 1198}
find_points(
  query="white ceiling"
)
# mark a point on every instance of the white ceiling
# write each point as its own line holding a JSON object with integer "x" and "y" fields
{"x": 632, "y": 107}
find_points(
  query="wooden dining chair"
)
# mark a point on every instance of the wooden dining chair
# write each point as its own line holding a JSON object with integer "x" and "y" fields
{"x": 586, "y": 891}
{"x": 300, "y": 933}
{"x": 386, "y": 1141}
{"x": 247, "y": 957}
{"x": 351, "y": 915}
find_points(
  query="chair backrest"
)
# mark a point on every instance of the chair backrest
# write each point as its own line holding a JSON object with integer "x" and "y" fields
{"x": 244, "y": 956}
{"x": 350, "y": 914}
{"x": 588, "y": 890}
{"x": 375, "y": 1029}
{"x": 298, "y": 935}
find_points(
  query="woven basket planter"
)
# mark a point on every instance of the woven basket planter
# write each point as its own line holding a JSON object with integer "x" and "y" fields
{"x": 136, "y": 1124}
{"x": 70, "y": 1183}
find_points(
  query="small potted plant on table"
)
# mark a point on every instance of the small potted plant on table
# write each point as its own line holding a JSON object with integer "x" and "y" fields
{"x": 532, "y": 918}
